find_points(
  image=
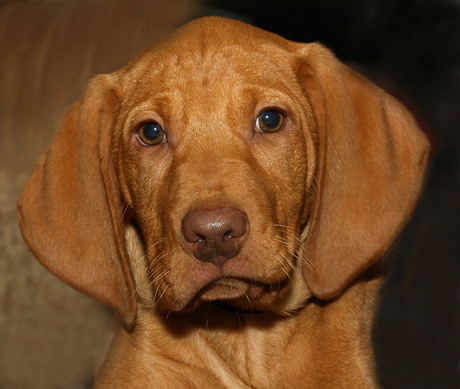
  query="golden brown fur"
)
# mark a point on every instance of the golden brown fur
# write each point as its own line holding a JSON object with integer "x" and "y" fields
{"x": 322, "y": 199}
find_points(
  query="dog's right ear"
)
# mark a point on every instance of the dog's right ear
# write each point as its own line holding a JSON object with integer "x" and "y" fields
{"x": 70, "y": 210}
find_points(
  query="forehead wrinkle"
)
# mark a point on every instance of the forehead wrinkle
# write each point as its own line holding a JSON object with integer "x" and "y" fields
{"x": 153, "y": 104}
{"x": 211, "y": 61}
{"x": 212, "y": 84}
{"x": 237, "y": 63}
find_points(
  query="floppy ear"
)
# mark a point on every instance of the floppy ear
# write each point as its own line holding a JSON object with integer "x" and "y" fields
{"x": 70, "y": 209}
{"x": 372, "y": 158}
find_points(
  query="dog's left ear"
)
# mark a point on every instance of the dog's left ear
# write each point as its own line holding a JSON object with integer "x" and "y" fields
{"x": 70, "y": 209}
{"x": 372, "y": 159}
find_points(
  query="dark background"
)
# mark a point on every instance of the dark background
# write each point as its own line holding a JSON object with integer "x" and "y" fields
{"x": 412, "y": 49}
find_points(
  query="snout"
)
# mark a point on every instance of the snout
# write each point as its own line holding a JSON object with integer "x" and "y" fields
{"x": 215, "y": 235}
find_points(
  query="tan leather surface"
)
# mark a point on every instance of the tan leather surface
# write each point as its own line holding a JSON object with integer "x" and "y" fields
{"x": 50, "y": 335}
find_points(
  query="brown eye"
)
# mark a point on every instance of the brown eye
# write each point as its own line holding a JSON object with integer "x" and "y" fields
{"x": 150, "y": 134}
{"x": 269, "y": 121}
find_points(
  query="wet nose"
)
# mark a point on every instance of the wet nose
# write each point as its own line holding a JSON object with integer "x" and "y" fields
{"x": 215, "y": 235}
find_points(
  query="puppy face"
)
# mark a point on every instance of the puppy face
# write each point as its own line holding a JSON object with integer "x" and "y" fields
{"x": 204, "y": 102}
{"x": 257, "y": 171}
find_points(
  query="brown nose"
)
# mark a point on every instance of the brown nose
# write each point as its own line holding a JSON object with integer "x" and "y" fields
{"x": 215, "y": 235}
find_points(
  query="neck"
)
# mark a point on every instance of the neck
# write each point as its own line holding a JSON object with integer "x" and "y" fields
{"x": 262, "y": 349}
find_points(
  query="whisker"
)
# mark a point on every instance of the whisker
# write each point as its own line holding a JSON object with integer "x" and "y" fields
{"x": 156, "y": 293}
{"x": 158, "y": 258}
{"x": 298, "y": 239}
{"x": 144, "y": 256}
{"x": 249, "y": 301}
{"x": 151, "y": 270}
{"x": 282, "y": 268}
{"x": 170, "y": 308}
{"x": 124, "y": 209}
{"x": 289, "y": 263}
{"x": 164, "y": 291}
{"x": 283, "y": 226}
{"x": 240, "y": 323}
{"x": 294, "y": 251}
{"x": 290, "y": 251}
{"x": 195, "y": 306}
{"x": 161, "y": 275}
{"x": 307, "y": 263}
{"x": 154, "y": 244}
{"x": 280, "y": 239}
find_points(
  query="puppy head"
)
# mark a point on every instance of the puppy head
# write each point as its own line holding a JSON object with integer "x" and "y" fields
{"x": 255, "y": 170}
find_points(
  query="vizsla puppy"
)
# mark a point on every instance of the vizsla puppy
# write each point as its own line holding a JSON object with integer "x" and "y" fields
{"x": 231, "y": 195}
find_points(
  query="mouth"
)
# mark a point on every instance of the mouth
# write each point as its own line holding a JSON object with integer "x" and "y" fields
{"x": 240, "y": 293}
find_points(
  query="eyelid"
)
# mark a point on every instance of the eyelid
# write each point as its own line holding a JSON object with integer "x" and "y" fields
{"x": 143, "y": 144}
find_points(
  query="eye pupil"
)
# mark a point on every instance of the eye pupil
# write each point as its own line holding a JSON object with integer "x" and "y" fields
{"x": 151, "y": 134}
{"x": 270, "y": 121}
{"x": 152, "y": 131}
